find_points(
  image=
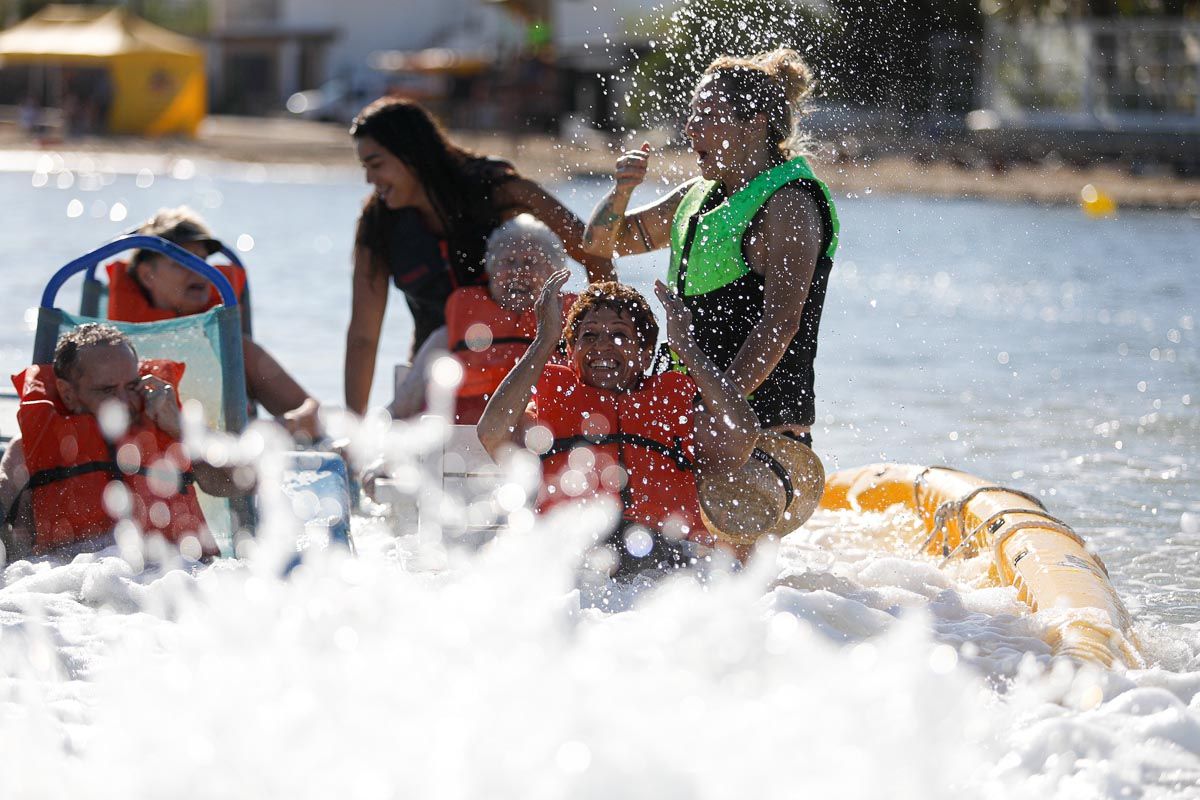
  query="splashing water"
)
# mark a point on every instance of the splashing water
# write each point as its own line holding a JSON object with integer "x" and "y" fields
{"x": 416, "y": 668}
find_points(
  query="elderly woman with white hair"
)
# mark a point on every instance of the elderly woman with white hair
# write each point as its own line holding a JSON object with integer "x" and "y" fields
{"x": 488, "y": 329}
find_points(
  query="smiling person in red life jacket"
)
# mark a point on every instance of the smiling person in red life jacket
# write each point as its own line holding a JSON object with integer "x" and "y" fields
{"x": 489, "y": 329}
{"x": 608, "y": 429}
{"x": 152, "y": 287}
{"x": 55, "y": 480}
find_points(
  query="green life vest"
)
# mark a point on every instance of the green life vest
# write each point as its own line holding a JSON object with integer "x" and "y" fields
{"x": 714, "y": 256}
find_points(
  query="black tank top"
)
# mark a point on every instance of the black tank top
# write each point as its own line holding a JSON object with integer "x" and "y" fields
{"x": 723, "y": 319}
{"x": 420, "y": 266}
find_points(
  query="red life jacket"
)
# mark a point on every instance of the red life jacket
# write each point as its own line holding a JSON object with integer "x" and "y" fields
{"x": 70, "y": 464}
{"x": 646, "y": 433}
{"x": 510, "y": 335}
{"x": 127, "y": 301}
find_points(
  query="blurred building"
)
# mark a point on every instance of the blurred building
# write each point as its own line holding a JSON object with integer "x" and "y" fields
{"x": 263, "y": 51}
{"x": 257, "y": 56}
{"x": 1127, "y": 86}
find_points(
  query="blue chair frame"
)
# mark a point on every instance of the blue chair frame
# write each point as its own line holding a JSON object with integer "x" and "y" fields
{"x": 93, "y": 288}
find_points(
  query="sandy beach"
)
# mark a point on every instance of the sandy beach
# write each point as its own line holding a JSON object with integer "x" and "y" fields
{"x": 299, "y": 142}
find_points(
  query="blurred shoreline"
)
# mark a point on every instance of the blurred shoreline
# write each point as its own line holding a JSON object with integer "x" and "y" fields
{"x": 300, "y": 143}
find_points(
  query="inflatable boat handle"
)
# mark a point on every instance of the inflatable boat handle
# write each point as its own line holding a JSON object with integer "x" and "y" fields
{"x": 88, "y": 262}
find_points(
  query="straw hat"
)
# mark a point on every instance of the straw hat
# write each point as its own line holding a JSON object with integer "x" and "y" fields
{"x": 773, "y": 493}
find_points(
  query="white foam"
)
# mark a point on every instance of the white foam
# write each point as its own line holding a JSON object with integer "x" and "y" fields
{"x": 829, "y": 667}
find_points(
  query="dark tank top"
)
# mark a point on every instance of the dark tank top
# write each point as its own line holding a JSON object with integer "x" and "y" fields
{"x": 428, "y": 267}
{"x": 724, "y": 318}
{"x": 420, "y": 266}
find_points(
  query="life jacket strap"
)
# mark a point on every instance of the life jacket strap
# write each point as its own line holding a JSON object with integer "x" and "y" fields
{"x": 462, "y": 345}
{"x": 45, "y": 477}
{"x": 673, "y": 451}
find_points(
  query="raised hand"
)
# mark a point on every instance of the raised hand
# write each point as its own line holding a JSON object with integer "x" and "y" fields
{"x": 679, "y": 320}
{"x": 631, "y": 168}
{"x": 549, "y": 307}
{"x": 160, "y": 404}
{"x": 304, "y": 421}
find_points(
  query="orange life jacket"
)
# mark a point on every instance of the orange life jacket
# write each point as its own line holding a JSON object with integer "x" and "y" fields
{"x": 127, "y": 301}
{"x": 71, "y": 464}
{"x": 646, "y": 433}
{"x": 488, "y": 353}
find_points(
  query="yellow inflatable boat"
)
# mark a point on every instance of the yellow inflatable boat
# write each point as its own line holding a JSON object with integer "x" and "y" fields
{"x": 1042, "y": 557}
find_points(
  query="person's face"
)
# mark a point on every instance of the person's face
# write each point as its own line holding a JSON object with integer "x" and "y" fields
{"x": 396, "y": 185}
{"x": 516, "y": 276}
{"x": 172, "y": 286}
{"x": 606, "y": 353}
{"x": 718, "y": 137}
{"x": 106, "y": 373}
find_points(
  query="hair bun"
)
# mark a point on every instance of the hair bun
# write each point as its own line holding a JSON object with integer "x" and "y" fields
{"x": 787, "y": 67}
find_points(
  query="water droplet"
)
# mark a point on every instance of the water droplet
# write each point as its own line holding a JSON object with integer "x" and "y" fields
{"x": 183, "y": 170}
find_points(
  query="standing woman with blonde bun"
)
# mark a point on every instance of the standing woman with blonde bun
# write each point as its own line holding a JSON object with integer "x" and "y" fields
{"x": 425, "y": 227}
{"x": 752, "y": 239}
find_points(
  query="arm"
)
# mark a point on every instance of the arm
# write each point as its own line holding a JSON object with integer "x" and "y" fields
{"x": 500, "y": 423}
{"x": 410, "y": 394}
{"x": 218, "y": 481}
{"x": 161, "y": 406}
{"x": 784, "y": 245}
{"x": 367, "y": 306}
{"x": 611, "y": 232}
{"x": 726, "y": 428}
{"x": 566, "y": 226}
{"x": 270, "y": 384}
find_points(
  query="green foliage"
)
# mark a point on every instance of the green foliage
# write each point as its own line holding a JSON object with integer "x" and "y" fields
{"x": 190, "y": 17}
{"x": 861, "y": 54}
{"x": 1054, "y": 10}
{"x": 684, "y": 43}
{"x": 187, "y": 18}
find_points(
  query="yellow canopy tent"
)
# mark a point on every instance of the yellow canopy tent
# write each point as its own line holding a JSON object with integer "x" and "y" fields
{"x": 156, "y": 76}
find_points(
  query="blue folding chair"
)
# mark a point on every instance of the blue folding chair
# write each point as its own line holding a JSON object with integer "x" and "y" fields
{"x": 209, "y": 343}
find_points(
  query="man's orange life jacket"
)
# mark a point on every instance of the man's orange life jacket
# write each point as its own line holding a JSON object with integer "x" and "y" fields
{"x": 639, "y": 447}
{"x": 127, "y": 301}
{"x": 489, "y": 352}
{"x": 71, "y": 464}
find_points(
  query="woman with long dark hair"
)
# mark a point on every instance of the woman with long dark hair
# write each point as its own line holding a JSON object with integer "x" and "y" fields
{"x": 426, "y": 225}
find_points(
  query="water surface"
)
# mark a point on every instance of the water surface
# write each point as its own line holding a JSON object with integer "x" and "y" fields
{"x": 1033, "y": 346}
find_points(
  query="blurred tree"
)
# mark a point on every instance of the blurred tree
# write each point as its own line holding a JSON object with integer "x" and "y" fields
{"x": 885, "y": 52}
{"x": 184, "y": 16}
{"x": 1059, "y": 9}
{"x": 684, "y": 43}
{"x": 879, "y": 57}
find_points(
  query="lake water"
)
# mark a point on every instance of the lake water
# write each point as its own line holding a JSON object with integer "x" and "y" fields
{"x": 1033, "y": 346}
